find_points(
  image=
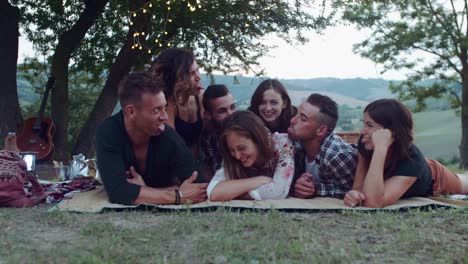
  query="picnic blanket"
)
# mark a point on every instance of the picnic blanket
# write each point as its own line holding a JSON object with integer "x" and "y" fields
{"x": 96, "y": 200}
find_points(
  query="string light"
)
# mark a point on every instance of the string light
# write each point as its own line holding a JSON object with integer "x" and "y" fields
{"x": 160, "y": 41}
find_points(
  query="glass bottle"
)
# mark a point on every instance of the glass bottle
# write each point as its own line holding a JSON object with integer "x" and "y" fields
{"x": 10, "y": 143}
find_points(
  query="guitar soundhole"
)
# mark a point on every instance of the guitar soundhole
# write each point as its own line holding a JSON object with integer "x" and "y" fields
{"x": 41, "y": 132}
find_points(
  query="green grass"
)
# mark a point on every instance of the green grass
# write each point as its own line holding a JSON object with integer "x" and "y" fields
{"x": 223, "y": 236}
{"x": 438, "y": 134}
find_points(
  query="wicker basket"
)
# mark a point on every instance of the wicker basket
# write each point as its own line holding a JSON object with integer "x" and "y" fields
{"x": 350, "y": 137}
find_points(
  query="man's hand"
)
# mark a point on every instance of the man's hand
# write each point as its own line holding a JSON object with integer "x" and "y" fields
{"x": 354, "y": 198}
{"x": 304, "y": 187}
{"x": 134, "y": 177}
{"x": 193, "y": 192}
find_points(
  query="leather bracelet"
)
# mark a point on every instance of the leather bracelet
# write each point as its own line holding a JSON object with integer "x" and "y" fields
{"x": 177, "y": 196}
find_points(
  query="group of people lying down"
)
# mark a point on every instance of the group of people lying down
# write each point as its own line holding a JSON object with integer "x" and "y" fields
{"x": 174, "y": 142}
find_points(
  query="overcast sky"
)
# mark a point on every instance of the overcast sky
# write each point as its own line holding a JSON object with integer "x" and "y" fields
{"x": 327, "y": 55}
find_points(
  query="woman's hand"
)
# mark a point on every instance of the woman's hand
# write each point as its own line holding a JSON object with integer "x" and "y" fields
{"x": 354, "y": 198}
{"x": 382, "y": 138}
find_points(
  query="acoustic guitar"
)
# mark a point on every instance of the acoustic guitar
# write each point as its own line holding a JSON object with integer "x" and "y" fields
{"x": 38, "y": 131}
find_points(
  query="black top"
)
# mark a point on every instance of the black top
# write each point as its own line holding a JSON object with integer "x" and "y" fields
{"x": 190, "y": 132}
{"x": 168, "y": 160}
{"x": 417, "y": 167}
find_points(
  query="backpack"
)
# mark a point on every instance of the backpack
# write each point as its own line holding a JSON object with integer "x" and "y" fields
{"x": 13, "y": 178}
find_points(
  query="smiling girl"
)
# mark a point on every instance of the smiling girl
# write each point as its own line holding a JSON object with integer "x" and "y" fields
{"x": 256, "y": 164}
{"x": 390, "y": 166}
{"x": 272, "y": 103}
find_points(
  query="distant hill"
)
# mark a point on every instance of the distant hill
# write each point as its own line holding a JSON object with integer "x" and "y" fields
{"x": 25, "y": 93}
{"x": 299, "y": 96}
{"x": 359, "y": 91}
{"x": 362, "y": 89}
{"x": 438, "y": 133}
{"x": 350, "y": 91}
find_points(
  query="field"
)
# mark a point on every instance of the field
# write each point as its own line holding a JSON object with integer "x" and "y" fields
{"x": 223, "y": 236}
{"x": 438, "y": 134}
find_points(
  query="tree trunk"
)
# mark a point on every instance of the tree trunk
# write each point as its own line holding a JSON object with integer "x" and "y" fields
{"x": 68, "y": 42}
{"x": 107, "y": 99}
{"x": 11, "y": 118}
{"x": 464, "y": 120}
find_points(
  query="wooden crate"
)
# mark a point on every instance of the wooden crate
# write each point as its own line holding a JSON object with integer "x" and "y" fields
{"x": 350, "y": 137}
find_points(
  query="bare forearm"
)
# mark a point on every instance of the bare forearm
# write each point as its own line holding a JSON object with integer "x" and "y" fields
{"x": 231, "y": 189}
{"x": 360, "y": 174}
{"x": 156, "y": 196}
{"x": 373, "y": 186}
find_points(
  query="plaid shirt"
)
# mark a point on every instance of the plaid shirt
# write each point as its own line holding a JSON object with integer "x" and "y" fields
{"x": 336, "y": 162}
{"x": 209, "y": 147}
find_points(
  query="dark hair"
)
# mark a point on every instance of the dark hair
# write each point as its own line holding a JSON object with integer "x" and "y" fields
{"x": 396, "y": 117}
{"x": 249, "y": 125}
{"x": 286, "y": 114}
{"x": 132, "y": 87}
{"x": 328, "y": 114}
{"x": 212, "y": 92}
{"x": 173, "y": 65}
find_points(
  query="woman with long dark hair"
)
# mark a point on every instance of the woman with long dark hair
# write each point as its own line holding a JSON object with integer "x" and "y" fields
{"x": 272, "y": 104}
{"x": 390, "y": 166}
{"x": 256, "y": 164}
{"x": 180, "y": 72}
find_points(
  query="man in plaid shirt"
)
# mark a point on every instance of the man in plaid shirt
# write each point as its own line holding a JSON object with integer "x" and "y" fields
{"x": 219, "y": 104}
{"x": 324, "y": 163}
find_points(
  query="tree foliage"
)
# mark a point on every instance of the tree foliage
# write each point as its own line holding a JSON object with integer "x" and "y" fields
{"x": 226, "y": 35}
{"x": 402, "y": 31}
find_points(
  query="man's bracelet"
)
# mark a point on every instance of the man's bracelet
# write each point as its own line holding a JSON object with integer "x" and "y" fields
{"x": 178, "y": 197}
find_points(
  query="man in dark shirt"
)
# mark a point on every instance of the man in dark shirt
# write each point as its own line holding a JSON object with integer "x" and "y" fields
{"x": 219, "y": 104}
{"x": 140, "y": 159}
{"x": 324, "y": 163}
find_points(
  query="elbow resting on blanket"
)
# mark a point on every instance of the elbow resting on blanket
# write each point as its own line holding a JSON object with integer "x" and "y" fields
{"x": 116, "y": 196}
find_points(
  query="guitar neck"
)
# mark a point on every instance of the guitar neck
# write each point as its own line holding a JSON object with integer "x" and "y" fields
{"x": 40, "y": 114}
